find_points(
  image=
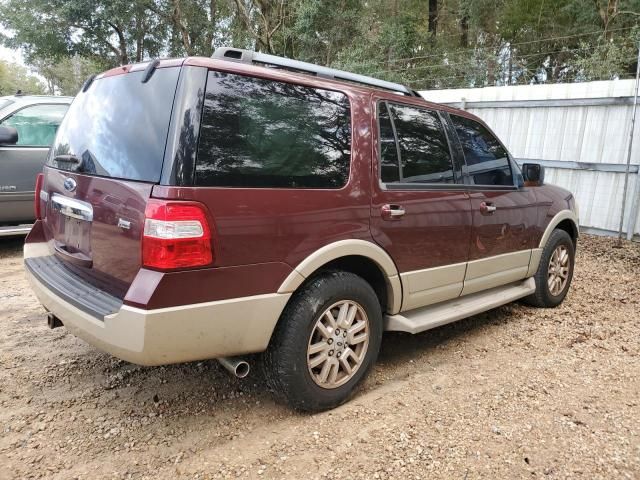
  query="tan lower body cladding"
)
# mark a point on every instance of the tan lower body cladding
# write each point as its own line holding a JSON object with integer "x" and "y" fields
{"x": 434, "y": 285}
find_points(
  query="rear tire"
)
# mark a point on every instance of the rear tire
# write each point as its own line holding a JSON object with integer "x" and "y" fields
{"x": 555, "y": 271}
{"x": 327, "y": 339}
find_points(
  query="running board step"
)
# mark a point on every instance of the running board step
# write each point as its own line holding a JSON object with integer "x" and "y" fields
{"x": 432, "y": 316}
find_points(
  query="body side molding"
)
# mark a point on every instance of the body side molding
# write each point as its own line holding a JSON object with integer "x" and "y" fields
{"x": 344, "y": 248}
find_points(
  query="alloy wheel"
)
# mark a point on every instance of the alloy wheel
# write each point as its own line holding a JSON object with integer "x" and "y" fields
{"x": 338, "y": 344}
{"x": 558, "y": 273}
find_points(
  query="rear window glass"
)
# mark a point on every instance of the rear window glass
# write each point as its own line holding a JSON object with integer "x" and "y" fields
{"x": 261, "y": 133}
{"x": 118, "y": 128}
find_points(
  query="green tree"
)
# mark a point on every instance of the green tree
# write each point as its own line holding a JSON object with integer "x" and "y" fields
{"x": 14, "y": 78}
{"x": 66, "y": 75}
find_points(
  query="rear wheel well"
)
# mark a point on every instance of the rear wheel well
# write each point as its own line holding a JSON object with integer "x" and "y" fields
{"x": 569, "y": 227}
{"x": 363, "y": 267}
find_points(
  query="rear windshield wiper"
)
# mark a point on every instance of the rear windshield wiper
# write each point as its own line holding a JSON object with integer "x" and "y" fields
{"x": 75, "y": 163}
{"x": 67, "y": 159}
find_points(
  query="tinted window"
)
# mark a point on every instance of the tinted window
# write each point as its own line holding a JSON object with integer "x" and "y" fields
{"x": 424, "y": 151}
{"x": 389, "y": 164}
{"x": 37, "y": 124}
{"x": 261, "y": 133}
{"x": 119, "y": 127}
{"x": 487, "y": 160}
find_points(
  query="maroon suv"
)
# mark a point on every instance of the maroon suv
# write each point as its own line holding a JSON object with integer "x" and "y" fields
{"x": 211, "y": 208}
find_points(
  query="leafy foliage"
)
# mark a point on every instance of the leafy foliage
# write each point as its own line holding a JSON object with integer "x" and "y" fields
{"x": 15, "y": 77}
{"x": 439, "y": 43}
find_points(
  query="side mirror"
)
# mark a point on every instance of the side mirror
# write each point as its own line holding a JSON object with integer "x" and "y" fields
{"x": 533, "y": 174}
{"x": 8, "y": 135}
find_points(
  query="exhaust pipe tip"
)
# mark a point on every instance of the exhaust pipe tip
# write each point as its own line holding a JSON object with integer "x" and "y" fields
{"x": 236, "y": 366}
{"x": 53, "y": 321}
{"x": 242, "y": 369}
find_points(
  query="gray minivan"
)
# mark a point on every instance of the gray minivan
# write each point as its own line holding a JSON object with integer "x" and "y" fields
{"x": 28, "y": 125}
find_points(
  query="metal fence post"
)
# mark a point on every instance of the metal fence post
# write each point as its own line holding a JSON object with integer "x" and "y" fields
{"x": 633, "y": 211}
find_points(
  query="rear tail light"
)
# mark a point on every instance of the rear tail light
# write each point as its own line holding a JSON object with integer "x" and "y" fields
{"x": 176, "y": 235}
{"x": 36, "y": 201}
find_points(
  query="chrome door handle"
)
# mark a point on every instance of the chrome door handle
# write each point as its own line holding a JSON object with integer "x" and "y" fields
{"x": 392, "y": 212}
{"x": 487, "y": 208}
{"x": 72, "y": 208}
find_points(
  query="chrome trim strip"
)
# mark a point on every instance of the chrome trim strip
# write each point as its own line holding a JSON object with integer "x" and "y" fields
{"x": 10, "y": 231}
{"x": 72, "y": 208}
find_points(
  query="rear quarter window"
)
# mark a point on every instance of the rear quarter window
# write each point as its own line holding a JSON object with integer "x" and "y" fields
{"x": 262, "y": 133}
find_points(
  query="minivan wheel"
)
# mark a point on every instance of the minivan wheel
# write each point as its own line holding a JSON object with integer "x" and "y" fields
{"x": 555, "y": 271}
{"x": 325, "y": 342}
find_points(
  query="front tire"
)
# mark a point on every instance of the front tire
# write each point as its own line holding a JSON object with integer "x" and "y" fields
{"x": 325, "y": 342}
{"x": 555, "y": 271}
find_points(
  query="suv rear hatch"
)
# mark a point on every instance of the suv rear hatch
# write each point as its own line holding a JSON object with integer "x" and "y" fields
{"x": 100, "y": 173}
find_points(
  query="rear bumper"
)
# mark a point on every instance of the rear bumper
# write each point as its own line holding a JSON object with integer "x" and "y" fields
{"x": 170, "y": 335}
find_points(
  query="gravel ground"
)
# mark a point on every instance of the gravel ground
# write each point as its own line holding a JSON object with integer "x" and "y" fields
{"x": 513, "y": 393}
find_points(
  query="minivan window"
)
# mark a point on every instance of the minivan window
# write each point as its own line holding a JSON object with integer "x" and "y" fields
{"x": 487, "y": 160}
{"x": 37, "y": 124}
{"x": 118, "y": 127}
{"x": 424, "y": 150}
{"x": 263, "y": 133}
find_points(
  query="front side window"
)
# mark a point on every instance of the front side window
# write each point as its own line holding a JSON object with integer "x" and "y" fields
{"x": 263, "y": 133}
{"x": 424, "y": 155}
{"x": 36, "y": 125}
{"x": 487, "y": 160}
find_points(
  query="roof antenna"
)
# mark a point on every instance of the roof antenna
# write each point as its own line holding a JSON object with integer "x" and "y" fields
{"x": 148, "y": 72}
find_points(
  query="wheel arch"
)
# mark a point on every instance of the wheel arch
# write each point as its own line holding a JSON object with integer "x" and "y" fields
{"x": 361, "y": 257}
{"x": 565, "y": 220}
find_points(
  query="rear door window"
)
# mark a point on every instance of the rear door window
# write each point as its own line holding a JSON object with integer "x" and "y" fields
{"x": 36, "y": 124}
{"x": 487, "y": 160}
{"x": 422, "y": 154}
{"x": 262, "y": 133}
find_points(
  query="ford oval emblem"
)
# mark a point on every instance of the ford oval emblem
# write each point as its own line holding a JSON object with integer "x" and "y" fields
{"x": 70, "y": 184}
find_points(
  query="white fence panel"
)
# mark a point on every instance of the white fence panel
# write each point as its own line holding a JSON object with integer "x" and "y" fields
{"x": 573, "y": 123}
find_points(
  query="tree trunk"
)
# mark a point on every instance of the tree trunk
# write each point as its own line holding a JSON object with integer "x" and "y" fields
{"x": 141, "y": 31}
{"x": 212, "y": 28}
{"x": 184, "y": 33}
{"x": 607, "y": 9}
{"x": 433, "y": 17}
{"x": 122, "y": 44}
{"x": 464, "y": 31}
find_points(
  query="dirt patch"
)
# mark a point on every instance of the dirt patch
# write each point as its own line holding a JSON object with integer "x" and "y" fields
{"x": 512, "y": 393}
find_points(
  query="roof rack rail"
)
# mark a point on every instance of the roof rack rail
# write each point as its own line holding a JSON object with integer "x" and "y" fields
{"x": 251, "y": 57}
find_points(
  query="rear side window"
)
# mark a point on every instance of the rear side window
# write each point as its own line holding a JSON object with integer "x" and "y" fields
{"x": 261, "y": 133}
{"x": 37, "y": 124}
{"x": 424, "y": 155}
{"x": 487, "y": 160}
